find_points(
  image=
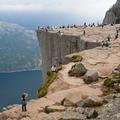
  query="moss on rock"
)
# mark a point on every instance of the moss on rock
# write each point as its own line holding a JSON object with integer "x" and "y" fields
{"x": 77, "y": 70}
{"x": 76, "y": 58}
{"x": 43, "y": 90}
{"x": 51, "y": 76}
{"x": 112, "y": 85}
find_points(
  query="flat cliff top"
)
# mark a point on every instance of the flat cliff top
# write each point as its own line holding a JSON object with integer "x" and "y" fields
{"x": 92, "y": 34}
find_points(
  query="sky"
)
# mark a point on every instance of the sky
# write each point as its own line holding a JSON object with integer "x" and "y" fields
{"x": 79, "y": 9}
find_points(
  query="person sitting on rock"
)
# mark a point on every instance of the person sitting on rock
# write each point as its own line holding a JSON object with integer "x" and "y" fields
{"x": 53, "y": 69}
{"x": 105, "y": 43}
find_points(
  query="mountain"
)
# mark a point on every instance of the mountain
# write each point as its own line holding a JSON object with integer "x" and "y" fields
{"x": 19, "y": 48}
{"x": 113, "y": 14}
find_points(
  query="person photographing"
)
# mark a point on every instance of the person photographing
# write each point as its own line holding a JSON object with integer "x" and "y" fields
{"x": 24, "y": 102}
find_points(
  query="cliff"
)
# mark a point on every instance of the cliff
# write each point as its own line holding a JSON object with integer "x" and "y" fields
{"x": 55, "y": 47}
{"x": 113, "y": 14}
{"x": 70, "y": 97}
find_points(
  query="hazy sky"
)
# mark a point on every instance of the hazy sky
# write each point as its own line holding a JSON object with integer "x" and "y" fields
{"x": 79, "y": 7}
{"x": 28, "y": 12}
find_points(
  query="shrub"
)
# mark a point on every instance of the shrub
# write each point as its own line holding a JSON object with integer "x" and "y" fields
{"x": 109, "y": 82}
{"x": 59, "y": 67}
{"x": 112, "y": 85}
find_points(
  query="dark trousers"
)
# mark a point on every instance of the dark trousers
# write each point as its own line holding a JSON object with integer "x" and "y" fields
{"x": 24, "y": 108}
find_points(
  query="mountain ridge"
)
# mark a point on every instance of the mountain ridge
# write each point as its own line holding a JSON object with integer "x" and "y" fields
{"x": 112, "y": 15}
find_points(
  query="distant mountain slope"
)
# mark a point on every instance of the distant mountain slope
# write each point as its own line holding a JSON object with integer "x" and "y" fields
{"x": 113, "y": 14}
{"x": 19, "y": 48}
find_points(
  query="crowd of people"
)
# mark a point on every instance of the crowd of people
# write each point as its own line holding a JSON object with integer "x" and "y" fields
{"x": 68, "y": 26}
{"x": 106, "y": 42}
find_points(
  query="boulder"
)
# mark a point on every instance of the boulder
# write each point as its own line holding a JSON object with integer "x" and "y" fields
{"x": 77, "y": 70}
{"x": 93, "y": 101}
{"x": 90, "y": 76}
{"x": 54, "y": 108}
{"x": 91, "y": 113}
{"x": 72, "y": 116}
{"x": 80, "y": 110}
{"x": 67, "y": 103}
{"x": 117, "y": 68}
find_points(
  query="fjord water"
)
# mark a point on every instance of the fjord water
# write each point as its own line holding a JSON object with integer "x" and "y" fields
{"x": 13, "y": 84}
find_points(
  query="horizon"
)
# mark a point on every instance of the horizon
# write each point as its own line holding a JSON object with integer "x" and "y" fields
{"x": 31, "y": 14}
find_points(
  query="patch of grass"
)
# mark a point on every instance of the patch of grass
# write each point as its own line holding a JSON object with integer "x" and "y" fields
{"x": 59, "y": 67}
{"x": 76, "y": 58}
{"x": 109, "y": 82}
{"x": 112, "y": 85}
{"x": 43, "y": 90}
{"x": 51, "y": 76}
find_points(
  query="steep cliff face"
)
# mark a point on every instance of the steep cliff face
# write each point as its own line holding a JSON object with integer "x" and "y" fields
{"x": 113, "y": 14}
{"x": 54, "y": 48}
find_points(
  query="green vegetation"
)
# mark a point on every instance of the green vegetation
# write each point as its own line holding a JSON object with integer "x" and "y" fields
{"x": 51, "y": 76}
{"x": 59, "y": 67}
{"x": 112, "y": 84}
{"x": 76, "y": 58}
{"x": 109, "y": 82}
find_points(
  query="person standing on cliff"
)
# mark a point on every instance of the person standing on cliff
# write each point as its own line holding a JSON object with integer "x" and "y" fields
{"x": 24, "y": 103}
{"x": 84, "y": 33}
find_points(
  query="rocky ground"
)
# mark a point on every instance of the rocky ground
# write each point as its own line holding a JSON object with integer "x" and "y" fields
{"x": 81, "y": 97}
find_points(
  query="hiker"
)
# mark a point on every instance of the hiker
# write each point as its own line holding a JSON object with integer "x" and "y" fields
{"x": 105, "y": 44}
{"x": 108, "y": 38}
{"x": 24, "y": 103}
{"x": 117, "y": 31}
{"x": 84, "y": 32}
{"x": 116, "y": 36}
{"x": 102, "y": 26}
{"x": 93, "y": 25}
{"x": 60, "y": 33}
{"x": 111, "y": 24}
{"x": 85, "y": 25}
{"x": 53, "y": 69}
